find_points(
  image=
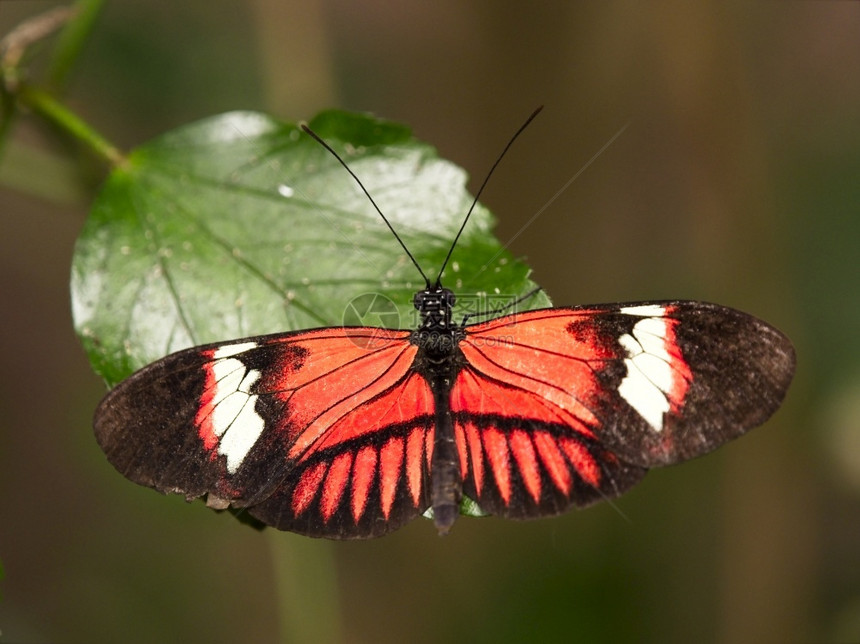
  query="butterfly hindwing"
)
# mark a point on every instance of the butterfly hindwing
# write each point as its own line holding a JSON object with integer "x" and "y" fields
{"x": 321, "y": 432}
{"x": 367, "y": 476}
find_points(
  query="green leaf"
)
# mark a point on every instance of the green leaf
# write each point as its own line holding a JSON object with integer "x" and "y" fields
{"x": 242, "y": 225}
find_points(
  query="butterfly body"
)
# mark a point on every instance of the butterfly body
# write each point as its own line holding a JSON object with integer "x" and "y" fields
{"x": 439, "y": 361}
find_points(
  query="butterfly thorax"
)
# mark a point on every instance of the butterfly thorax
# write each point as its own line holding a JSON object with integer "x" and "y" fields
{"x": 437, "y": 335}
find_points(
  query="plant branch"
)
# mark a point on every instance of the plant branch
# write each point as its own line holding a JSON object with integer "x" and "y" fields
{"x": 15, "y": 90}
{"x": 72, "y": 39}
{"x": 46, "y": 106}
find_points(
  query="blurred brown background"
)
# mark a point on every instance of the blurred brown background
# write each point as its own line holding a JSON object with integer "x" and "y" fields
{"x": 737, "y": 181}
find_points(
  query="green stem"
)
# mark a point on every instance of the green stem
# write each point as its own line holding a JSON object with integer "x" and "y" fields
{"x": 307, "y": 591}
{"x": 72, "y": 39}
{"x": 7, "y": 116}
{"x": 57, "y": 114}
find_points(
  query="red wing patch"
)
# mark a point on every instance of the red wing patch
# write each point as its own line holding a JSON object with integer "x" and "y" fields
{"x": 366, "y": 474}
{"x": 529, "y": 458}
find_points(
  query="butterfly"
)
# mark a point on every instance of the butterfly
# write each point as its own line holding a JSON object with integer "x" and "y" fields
{"x": 351, "y": 432}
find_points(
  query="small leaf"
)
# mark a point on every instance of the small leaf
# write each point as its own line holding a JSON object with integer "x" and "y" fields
{"x": 242, "y": 225}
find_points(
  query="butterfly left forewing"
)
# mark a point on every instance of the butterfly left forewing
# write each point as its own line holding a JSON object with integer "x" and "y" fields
{"x": 656, "y": 382}
{"x": 738, "y": 370}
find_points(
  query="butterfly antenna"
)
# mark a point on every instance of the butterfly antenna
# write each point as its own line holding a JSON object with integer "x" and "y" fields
{"x": 319, "y": 140}
{"x": 481, "y": 189}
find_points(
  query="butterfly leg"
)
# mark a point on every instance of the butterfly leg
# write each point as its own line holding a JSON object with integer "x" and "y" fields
{"x": 500, "y": 310}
